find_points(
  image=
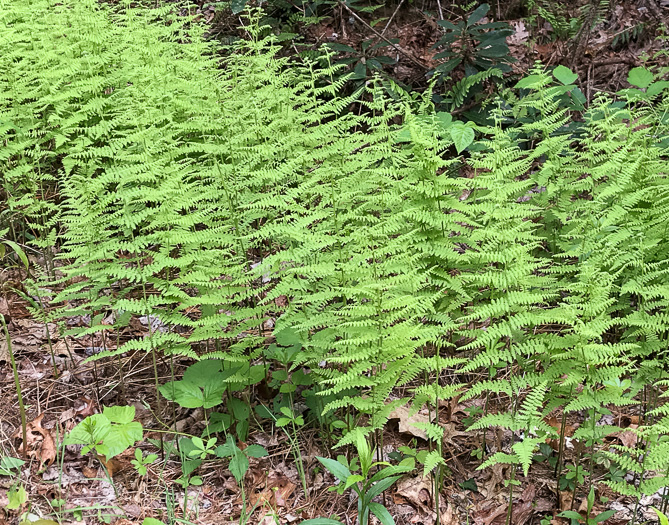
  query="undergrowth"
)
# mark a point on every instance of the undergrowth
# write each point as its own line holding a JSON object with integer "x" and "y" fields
{"x": 234, "y": 201}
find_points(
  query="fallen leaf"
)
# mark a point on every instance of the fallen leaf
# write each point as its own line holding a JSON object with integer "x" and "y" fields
{"x": 38, "y": 437}
{"x": 416, "y": 491}
{"x": 488, "y": 515}
{"x": 448, "y": 517}
{"x": 90, "y": 472}
{"x": 406, "y": 421}
{"x": 566, "y": 499}
{"x": 520, "y": 34}
{"x": 4, "y": 352}
{"x": 627, "y": 437}
{"x": 275, "y": 493}
{"x": 114, "y": 465}
{"x": 268, "y": 519}
{"x": 490, "y": 488}
{"x": 4, "y": 308}
{"x": 523, "y": 510}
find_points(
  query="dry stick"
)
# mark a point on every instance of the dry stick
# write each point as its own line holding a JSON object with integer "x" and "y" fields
{"x": 392, "y": 17}
{"x": 441, "y": 13}
{"x": 395, "y": 46}
{"x": 22, "y": 408}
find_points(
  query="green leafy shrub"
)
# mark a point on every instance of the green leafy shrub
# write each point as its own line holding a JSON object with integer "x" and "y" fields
{"x": 476, "y": 45}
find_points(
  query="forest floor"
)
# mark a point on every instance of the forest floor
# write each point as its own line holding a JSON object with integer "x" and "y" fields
{"x": 60, "y": 394}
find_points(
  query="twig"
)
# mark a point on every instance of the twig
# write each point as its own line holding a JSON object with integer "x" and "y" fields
{"x": 616, "y": 60}
{"x": 398, "y": 48}
{"x": 391, "y": 18}
{"x": 441, "y": 13}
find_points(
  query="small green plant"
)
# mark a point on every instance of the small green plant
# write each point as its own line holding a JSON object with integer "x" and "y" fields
{"x": 109, "y": 433}
{"x": 475, "y": 45}
{"x": 6, "y": 243}
{"x": 473, "y": 414}
{"x": 589, "y": 519}
{"x": 10, "y": 466}
{"x": 202, "y": 449}
{"x": 239, "y": 465}
{"x": 357, "y": 475}
{"x": 141, "y": 462}
{"x": 16, "y": 494}
{"x": 189, "y": 463}
{"x": 546, "y": 453}
{"x": 206, "y": 382}
{"x": 365, "y": 62}
{"x": 574, "y": 476}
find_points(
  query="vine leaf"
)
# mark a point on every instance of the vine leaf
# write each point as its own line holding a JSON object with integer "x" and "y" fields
{"x": 462, "y": 136}
{"x": 564, "y": 75}
{"x": 640, "y": 77}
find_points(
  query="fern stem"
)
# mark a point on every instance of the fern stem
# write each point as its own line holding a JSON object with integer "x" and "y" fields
{"x": 17, "y": 384}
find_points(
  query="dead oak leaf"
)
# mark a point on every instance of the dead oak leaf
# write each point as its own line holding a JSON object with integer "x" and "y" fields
{"x": 416, "y": 491}
{"x": 406, "y": 421}
{"x": 39, "y": 444}
{"x": 627, "y": 437}
{"x": 520, "y": 35}
{"x": 276, "y": 492}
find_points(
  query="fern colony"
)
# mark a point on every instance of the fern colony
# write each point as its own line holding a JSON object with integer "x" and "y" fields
{"x": 214, "y": 196}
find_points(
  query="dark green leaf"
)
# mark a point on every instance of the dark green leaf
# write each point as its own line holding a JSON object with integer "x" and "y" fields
{"x": 184, "y": 393}
{"x": 204, "y": 372}
{"x": 494, "y": 51}
{"x": 239, "y": 464}
{"x": 237, "y": 6}
{"x": 449, "y": 25}
{"x": 360, "y": 71}
{"x": 449, "y": 66}
{"x": 604, "y": 516}
{"x": 336, "y": 468}
{"x": 343, "y": 49}
{"x": 469, "y": 484}
{"x": 288, "y": 336}
{"x": 380, "y": 486}
{"x": 478, "y": 14}
{"x": 255, "y": 451}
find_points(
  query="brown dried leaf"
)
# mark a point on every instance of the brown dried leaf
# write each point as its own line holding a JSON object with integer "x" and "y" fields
{"x": 520, "y": 35}
{"x": 490, "y": 488}
{"x": 448, "y": 517}
{"x": 566, "y": 499}
{"x": 406, "y": 421}
{"x": 416, "y": 491}
{"x": 90, "y": 472}
{"x": 4, "y": 351}
{"x": 38, "y": 437}
{"x": 276, "y": 492}
{"x": 627, "y": 437}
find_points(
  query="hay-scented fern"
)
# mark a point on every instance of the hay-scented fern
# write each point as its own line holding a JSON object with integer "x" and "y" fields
{"x": 210, "y": 197}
